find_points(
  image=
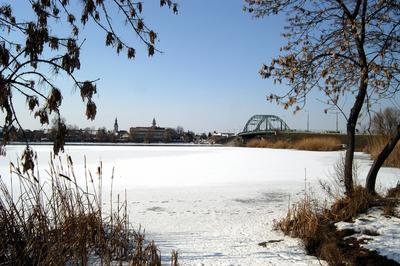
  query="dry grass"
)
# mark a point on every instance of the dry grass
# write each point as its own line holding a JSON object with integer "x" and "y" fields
{"x": 318, "y": 144}
{"x": 310, "y": 144}
{"x": 55, "y": 222}
{"x": 394, "y": 192}
{"x": 313, "y": 223}
{"x": 392, "y": 200}
{"x": 375, "y": 146}
{"x": 303, "y": 221}
{"x": 263, "y": 143}
{"x": 346, "y": 208}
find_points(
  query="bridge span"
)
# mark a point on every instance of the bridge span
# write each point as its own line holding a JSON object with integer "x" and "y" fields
{"x": 259, "y": 125}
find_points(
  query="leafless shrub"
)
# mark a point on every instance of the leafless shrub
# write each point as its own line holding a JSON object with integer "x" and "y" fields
{"x": 334, "y": 186}
{"x": 385, "y": 122}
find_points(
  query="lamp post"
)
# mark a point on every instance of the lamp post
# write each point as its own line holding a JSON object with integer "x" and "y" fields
{"x": 337, "y": 120}
{"x": 308, "y": 120}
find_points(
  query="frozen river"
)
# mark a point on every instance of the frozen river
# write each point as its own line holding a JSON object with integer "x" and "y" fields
{"x": 212, "y": 204}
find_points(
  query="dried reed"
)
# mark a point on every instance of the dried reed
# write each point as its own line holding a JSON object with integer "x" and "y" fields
{"x": 311, "y": 144}
{"x": 55, "y": 221}
{"x": 313, "y": 221}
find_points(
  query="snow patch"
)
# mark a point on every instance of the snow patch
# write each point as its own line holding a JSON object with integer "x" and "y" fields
{"x": 378, "y": 232}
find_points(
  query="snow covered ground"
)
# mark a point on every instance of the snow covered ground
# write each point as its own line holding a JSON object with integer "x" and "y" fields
{"x": 212, "y": 204}
{"x": 379, "y": 232}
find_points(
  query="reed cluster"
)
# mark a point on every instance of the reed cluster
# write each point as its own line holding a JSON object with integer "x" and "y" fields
{"x": 57, "y": 221}
{"x": 309, "y": 144}
{"x": 313, "y": 221}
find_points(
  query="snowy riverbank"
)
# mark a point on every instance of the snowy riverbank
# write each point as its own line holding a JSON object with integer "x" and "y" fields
{"x": 212, "y": 204}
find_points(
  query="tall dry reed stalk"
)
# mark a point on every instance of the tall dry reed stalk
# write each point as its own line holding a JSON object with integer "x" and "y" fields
{"x": 55, "y": 221}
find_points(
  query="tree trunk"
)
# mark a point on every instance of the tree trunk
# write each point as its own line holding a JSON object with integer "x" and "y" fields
{"x": 348, "y": 163}
{"x": 376, "y": 166}
{"x": 351, "y": 130}
{"x": 359, "y": 38}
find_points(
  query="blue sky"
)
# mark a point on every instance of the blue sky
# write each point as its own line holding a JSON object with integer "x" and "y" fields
{"x": 206, "y": 79}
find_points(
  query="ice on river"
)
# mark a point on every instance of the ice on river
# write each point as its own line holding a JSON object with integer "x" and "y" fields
{"x": 212, "y": 204}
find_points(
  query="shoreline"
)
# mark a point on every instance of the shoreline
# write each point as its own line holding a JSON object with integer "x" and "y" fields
{"x": 128, "y": 144}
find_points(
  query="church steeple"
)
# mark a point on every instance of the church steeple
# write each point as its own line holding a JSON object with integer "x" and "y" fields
{"x": 116, "y": 126}
{"x": 154, "y": 124}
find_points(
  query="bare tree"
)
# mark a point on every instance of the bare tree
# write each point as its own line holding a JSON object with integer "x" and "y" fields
{"x": 30, "y": 48}
{"x": 168, "y": 135}
{"x": 343, "y": 48}
{"x": 385, "y": 122}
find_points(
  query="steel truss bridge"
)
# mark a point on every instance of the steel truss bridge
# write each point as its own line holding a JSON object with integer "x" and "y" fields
{"x": 263, "y": 124}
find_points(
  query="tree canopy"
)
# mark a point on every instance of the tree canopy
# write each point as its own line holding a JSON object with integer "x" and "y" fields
{"x": 29, "y": 47}
{"x": 346, "y": 49}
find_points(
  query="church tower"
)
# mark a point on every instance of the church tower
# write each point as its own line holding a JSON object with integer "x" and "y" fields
{"x": 154, "y": 124}
{"x": 116, "y": 126}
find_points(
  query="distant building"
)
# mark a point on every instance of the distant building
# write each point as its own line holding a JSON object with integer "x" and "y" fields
{"x": 152, "y": 134}
{"x": 116, "y": 126}
{"x": 41, "y": 135}
{"x": 124, "y": 135}
{"x": 224, "y": 134}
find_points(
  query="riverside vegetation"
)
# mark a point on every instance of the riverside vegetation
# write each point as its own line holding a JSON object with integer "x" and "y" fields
{"x": 57, "y": 221}
{"x": 313, "y": 221}
{"x": 372, "y": 145}
{"x": 310, "y": 144}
